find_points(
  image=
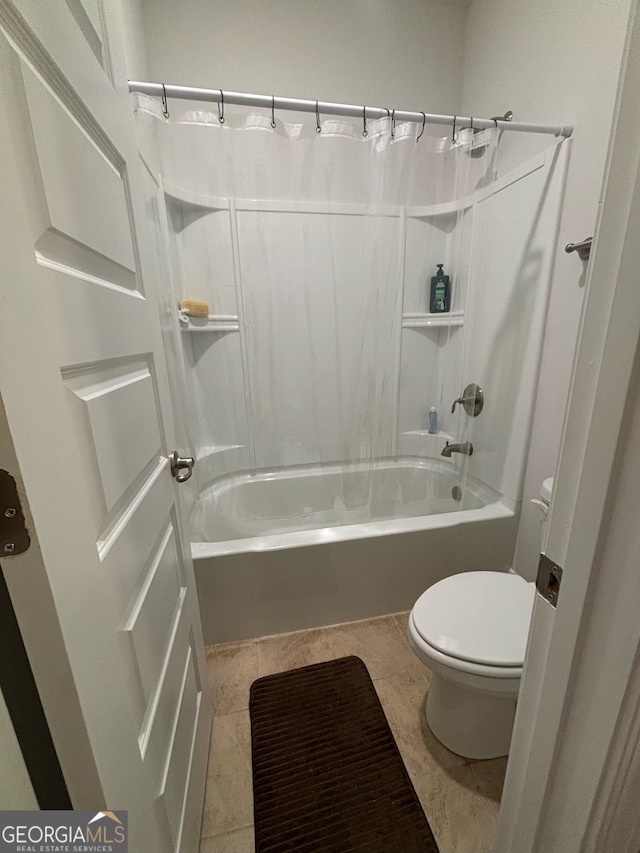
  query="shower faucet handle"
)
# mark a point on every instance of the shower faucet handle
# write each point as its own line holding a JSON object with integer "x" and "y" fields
{"x": 472, "y": 400}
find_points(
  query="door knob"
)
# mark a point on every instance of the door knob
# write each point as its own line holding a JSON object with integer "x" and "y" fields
{"x": 181, "y": 464}
{"x": 583, "y": 248}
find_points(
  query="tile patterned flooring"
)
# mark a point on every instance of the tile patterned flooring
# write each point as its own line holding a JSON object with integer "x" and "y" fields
{"x": 460, "y": 797}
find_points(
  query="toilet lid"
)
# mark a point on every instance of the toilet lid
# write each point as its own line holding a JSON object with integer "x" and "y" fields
{"x": 481, "y": 617}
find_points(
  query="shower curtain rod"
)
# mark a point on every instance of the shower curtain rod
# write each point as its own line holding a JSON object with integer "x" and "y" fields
{"x": 327, "y": 108}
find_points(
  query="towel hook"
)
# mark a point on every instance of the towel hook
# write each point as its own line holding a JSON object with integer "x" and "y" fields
{"x": 165, "y": 106}
{"x": 221, "y": 108}
{"x": 365, "y": 132}
{"x": 424, "y": 121}
{"x": 318, "y": 128}
{"x": 393, "y": 124}
{"x": 273, "y": 110}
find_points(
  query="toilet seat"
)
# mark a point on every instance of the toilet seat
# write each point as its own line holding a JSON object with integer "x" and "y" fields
{"x": 477, "y": 672}
{"x": 476, "y": 622}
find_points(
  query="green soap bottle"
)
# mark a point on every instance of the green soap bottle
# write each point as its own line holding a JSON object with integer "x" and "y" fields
{"x": 440, "y": 300}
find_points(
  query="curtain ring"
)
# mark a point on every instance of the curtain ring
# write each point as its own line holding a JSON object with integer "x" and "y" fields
{"x": 454, "y": 138}
{"x": 365, "y": 132}
{"x": 221, "y": 108}
{"x": 273, "y": 110}
{"x": 424, "y": 121}
{"x": 318, "y": 128}
{"x": 471, "y": 122}
{"x": 393, "y": 124}
{"x": 388, "y": 112}
{"x": 495, "y": 121}
{"x": 165, "y": 106}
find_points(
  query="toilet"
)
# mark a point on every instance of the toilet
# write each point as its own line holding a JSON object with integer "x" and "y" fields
{"x": 471, "y": 630}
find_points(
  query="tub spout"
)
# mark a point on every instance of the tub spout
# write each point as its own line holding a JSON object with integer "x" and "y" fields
{"x": 465, "y": 447}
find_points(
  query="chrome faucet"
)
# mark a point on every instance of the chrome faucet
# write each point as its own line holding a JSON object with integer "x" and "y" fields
{"x": 465, "y": 447}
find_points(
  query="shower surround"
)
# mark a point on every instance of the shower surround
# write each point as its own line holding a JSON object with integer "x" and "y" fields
{"x": 319, "y": 494}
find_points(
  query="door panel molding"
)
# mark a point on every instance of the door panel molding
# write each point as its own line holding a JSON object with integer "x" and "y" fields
{"x": 105, "y": 595}
{"x": 33, "y": 53}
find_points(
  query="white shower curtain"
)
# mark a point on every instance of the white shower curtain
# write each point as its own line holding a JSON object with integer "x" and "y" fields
{"x": 315, "y": 252}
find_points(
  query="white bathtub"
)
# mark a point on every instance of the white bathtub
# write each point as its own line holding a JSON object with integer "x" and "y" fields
{"x": 277, "y": 551}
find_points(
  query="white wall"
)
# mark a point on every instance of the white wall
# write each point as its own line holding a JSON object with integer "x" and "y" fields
{"x": 135, "y": 46}
{"x": 550, "y": 62}
{"x": 395, "y": 53}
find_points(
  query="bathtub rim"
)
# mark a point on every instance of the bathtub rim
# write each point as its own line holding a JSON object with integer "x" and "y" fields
{"x": 503, "y": 507}
{"x": 302, "y": 469}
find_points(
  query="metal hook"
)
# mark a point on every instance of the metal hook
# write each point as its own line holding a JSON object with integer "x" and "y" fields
{"x": 221, "y": 108}
{"x": 165, "y": 106}
{"x": 424, "y": 121}
{"x": 318, "y": 128}
{"x": 273, "y": 110}
{"x": 393, "y": 124}
{"x": 454, "y": 138}
{"x": 365, "y": 132}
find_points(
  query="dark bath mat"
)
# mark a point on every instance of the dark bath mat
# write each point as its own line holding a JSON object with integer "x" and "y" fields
{"x": 327, "y": 774}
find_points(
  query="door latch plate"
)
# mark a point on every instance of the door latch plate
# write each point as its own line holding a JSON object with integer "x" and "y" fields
{"x": 549, "y": 579}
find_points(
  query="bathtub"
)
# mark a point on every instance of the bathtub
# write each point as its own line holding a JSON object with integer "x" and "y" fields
{"x": 277, "y": 551}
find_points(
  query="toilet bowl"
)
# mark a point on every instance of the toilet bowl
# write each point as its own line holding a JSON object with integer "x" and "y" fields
{"x": 471, "y": 631}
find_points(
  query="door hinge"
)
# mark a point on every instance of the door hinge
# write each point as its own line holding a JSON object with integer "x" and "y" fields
{"x": 549, "y": 579}
{"x": 14, "y": 538}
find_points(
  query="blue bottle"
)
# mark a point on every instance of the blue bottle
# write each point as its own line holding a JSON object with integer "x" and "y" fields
{"x": 440, "y": 300}
{"x": 433, "y": 421}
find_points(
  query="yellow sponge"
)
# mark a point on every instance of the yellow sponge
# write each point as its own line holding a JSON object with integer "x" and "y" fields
{"x": 194, "y": 309}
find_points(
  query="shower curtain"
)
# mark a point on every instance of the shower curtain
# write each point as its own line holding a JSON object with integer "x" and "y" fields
{"x": 314, "y": 241}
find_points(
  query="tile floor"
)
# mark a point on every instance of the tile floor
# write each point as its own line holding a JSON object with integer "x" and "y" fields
{"x": 460, "y": 797}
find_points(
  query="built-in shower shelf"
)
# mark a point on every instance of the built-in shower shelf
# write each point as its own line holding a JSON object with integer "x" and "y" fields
{"x": 445, "y": 209}
{"x": 214, "y": 450}
{"x": 196, "y": 199}
{"x": 432, "y": 321}
{"x": 213, "y": 323}
{"x": 183, "y": 196}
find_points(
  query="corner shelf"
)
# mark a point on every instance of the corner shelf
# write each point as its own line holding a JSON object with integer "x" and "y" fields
{"x": 432, "y": 321}
{"x": 197, "y": 199}
{"x": 213, "y": 323}
{"x": 213, "y": 450}
{"x": 447, "y": 208}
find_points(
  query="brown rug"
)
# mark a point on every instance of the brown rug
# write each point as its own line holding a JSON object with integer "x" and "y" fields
{"x": 327, "y": 774}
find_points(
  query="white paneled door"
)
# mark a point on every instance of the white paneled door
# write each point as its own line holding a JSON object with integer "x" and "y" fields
{"x": 105, "y": 595}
